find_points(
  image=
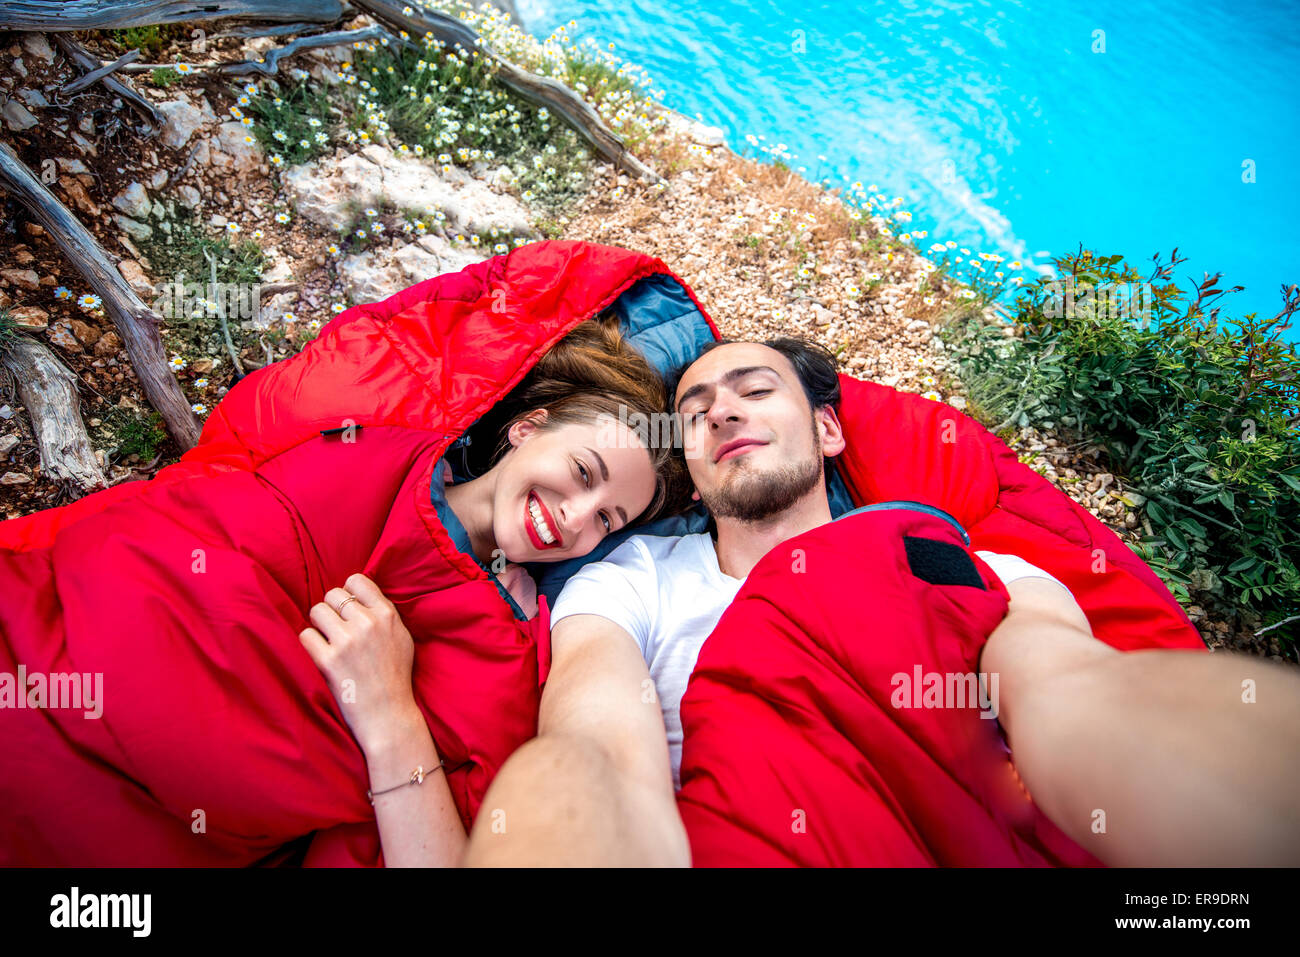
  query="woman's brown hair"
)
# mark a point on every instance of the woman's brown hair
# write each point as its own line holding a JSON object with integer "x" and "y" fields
{"x": 593, "y": 372}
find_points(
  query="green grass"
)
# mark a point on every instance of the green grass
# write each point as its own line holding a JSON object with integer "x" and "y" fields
{"x": 181, "y": 253}
{"x": 8, "y": 329}
{"x": 135, "y": 432}
{"x": 148, "y": 40}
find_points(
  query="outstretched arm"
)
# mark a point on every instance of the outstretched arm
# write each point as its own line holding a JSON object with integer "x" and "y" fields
{"x": 595, "y": 786}
{"x": 1165, "y": 758}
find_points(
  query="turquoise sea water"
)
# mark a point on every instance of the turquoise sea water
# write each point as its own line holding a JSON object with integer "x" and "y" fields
{"x": 1013, "y": 127}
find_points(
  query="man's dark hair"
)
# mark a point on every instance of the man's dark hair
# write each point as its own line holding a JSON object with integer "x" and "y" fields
{"x": 813, "y": 363}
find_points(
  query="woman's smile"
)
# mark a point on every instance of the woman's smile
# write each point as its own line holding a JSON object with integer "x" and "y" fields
{"x": 539, "y": 524}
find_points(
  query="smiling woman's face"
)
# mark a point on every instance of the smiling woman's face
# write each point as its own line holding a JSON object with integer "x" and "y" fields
{"x": 562, "y": 490}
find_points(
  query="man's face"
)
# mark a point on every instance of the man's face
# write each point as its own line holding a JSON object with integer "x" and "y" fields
{"x": 753, "y": 444}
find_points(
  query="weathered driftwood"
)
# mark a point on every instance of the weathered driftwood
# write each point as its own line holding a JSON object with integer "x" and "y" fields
{"x": 282, "y": 30}
{"x": 76, "y": 86}
{"x": 135, "y": 322}
{"x": 269, "y": 65}
{"x": 49, "y": 391}
{"x": 67, "y": 15}
{"x": 538, "y": 90}
{"x": 83, "y": 59}
{"x": 273, "y": 57}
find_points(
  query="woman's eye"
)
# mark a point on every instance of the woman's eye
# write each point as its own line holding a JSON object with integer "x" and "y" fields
{"x": 586, "y": 480}
{"x": 608, "y": 524}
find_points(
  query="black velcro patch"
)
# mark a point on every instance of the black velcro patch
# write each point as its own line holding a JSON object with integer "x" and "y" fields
{"x": 941, "y": 563}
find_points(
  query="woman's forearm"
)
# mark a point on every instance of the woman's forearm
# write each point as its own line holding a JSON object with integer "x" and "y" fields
{"x": 419, "y": 825}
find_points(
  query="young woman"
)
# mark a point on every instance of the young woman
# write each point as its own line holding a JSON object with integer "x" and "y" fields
{"x": 557, "y": 486}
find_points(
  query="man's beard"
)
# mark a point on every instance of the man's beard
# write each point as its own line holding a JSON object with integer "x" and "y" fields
{"x": 750, "y": 496}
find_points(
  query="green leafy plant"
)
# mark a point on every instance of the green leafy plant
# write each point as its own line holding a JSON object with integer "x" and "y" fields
{"x": 164, "y": 77}
{"x": 1201, "y": 415}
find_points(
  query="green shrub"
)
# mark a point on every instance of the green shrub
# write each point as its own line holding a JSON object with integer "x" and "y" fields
{"x": 1201, "y": 415}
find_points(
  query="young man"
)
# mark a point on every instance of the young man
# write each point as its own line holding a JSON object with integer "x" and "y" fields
{"x": 597, "y": 784}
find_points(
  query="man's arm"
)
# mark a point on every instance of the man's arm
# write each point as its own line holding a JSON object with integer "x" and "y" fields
{"x": 595, "y": 786}
{"x": 1162, "y": 757}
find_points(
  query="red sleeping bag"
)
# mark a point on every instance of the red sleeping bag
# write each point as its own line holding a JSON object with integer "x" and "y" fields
{"x": 219, "y": 741}
{"x": 807, "y": 739}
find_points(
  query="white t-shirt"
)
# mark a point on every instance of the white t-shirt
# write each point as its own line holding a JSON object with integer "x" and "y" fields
{"x": 668, "y": 593}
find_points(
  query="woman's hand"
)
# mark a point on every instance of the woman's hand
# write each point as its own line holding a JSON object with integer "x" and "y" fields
{"x": 522, "y": 588}
{"x": 366, "y": 655}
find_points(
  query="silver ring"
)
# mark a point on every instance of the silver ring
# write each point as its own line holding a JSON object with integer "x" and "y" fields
{"x": 345, "y": 602}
